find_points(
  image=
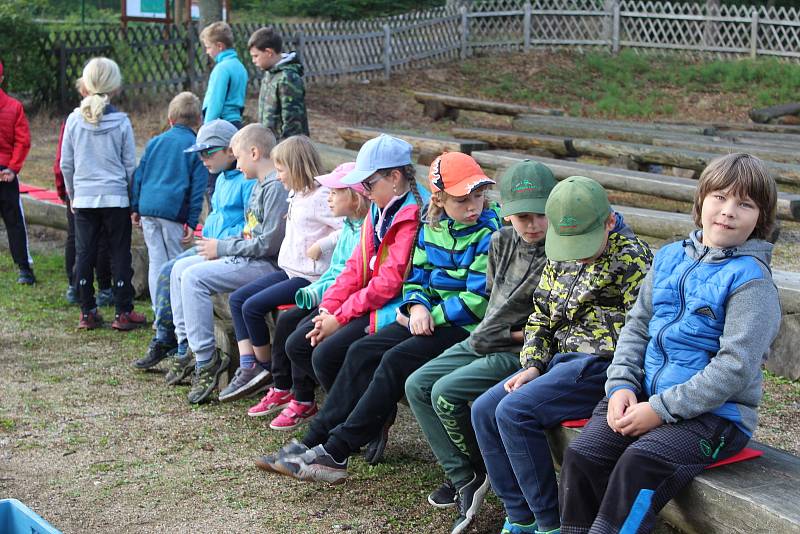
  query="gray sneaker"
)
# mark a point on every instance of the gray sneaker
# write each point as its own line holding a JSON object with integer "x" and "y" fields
{"x": 267, "y": 462}
{"x": 245, "y": 381}
{"x": 206, "y": 378}
{"x": 314, "y": 465}
{"x": 180, "y": 368}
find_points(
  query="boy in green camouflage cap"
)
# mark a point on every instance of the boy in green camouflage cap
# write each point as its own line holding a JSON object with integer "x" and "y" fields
{"x": 439, "y": 392}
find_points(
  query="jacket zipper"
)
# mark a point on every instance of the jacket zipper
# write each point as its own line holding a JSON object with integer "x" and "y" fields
{"x": 569, "y": 295}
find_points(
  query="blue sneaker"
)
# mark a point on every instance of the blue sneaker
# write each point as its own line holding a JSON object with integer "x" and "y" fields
{"x": 516, "y": 528}
{"x": 72, "y": 295}
{"x": 105, "y": 297}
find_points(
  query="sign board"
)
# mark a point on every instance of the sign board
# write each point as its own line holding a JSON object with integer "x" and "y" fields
{"x": 161, "y": 10}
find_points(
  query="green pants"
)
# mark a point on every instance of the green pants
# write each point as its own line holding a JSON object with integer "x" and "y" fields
{"x": 439, "y": 394}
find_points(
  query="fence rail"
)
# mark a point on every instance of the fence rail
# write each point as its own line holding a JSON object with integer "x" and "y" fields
{"x": 168, "y": 58}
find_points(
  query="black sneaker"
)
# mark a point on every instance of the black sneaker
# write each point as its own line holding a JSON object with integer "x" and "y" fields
{"x": 26, "y": 276}
{"x": 444, "y": 496}
{"x": 469, "y": 498}
{"x": 156, "y": 351}
{"x": 206, "y": 377}
{"x": 267, "y": 462}
{"x": 373, "y": 453}
{"x": 180, "y": 368}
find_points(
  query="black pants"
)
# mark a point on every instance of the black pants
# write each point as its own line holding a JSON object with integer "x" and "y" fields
{"x": 370, "y": 384}
{"x": 610, "y": 480}
{"x": 321, "y": 363}
{"x": 102, "y": 268}
{"x": 11, "y": 211}
{"x": 90, "y": 225}
{"x": 281, "y": 364}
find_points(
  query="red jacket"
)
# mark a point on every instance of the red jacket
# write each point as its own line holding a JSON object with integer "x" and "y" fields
{"x": 359, "y": 290}
{"x": 61, "y": 188}
{"x": 15, "y": 135}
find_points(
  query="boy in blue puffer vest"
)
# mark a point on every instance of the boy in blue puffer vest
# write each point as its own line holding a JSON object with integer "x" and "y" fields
{"x": 167, "y": 188}
{"x": 685, "y": 381}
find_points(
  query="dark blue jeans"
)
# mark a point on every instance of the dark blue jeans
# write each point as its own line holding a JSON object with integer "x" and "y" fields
{"x": 251, "y": 303}
{"x": 510, "y": 431}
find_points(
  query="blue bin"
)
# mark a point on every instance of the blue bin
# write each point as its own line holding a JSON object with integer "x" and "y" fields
{"x": 16, "y": 518}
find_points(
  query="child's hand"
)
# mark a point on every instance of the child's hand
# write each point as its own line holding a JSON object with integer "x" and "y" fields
{"x": 401, "y": 318}
{"x": 324, "y": 326}
{"x": 639, "y": 419}
{"x": 7, "y": 175}
{"x": 136, "y": 220}
{"x": 620, "y": 401}
{"x": 207, "y": 248}
{"x": 420, "y": 321}
{"x": 188, "y": 234}
{"x": 314, "y": 251}
{"x": 520, "y": 379}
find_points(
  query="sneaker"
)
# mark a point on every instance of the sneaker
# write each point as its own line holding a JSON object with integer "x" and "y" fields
{"x": 105, "y": 297}
{"x": 373, "y": 454}
{"x": 294, "y": 414}
{"x": 206, "y": 378}
{"x": 516, "y": 528}
{"x": 267, "y": 462}
{"x": 273, "y": 401}
{"x": 26, "y": 276}
{"x": 72, "y": 295}
{"x": 469, "y": 498}
{"x": 180, "y": 369}
{"x": 314, "y": 465}
{"x": 126, "y": 321}
{"x": 90, "y": 320}
{"x": 156, "y": 351}
{"x": 444, "y": 496}
{"x": 245, "y": 381}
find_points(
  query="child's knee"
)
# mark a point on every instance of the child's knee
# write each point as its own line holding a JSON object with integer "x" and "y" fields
{"x": 415, "y": 389}
{"x": 483, "y": 409}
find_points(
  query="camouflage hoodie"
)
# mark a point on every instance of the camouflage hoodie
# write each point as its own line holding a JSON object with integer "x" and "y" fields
{"x": 282, "y": 98}
{"x": 581, "y": 308}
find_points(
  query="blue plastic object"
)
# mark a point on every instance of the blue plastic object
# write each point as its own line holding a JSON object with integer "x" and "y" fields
{"x": 16, "y": 518}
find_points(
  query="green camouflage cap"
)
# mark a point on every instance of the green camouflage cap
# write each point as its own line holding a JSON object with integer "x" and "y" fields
{"x": 577, "y": 211}
{"x": 524, "y": 188}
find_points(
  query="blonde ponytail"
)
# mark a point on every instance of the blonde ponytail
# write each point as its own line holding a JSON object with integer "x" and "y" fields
{"x": 101, "y": 77}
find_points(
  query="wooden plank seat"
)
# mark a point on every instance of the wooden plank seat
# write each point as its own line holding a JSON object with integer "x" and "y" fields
{"x": 438, "y": 106}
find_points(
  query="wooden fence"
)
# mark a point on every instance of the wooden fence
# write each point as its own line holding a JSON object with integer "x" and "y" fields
{"x": 169, "y": 58}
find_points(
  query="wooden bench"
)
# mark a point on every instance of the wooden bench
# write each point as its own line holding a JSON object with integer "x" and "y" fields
{"x": 426, "y": 147}
{"x": 438, "y": 106}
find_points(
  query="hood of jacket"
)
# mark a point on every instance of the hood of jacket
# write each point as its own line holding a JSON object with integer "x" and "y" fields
{"x": 756, "y": 248}
{"x": 110, "y": 120}
{"x": 288, "y": 61}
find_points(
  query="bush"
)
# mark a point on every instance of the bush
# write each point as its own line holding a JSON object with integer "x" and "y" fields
{"x": 341, "y": 9}
{"x": 21, "y": 47}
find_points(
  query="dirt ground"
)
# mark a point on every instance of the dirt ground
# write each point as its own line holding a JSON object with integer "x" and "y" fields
{"x": 91, "y": 444}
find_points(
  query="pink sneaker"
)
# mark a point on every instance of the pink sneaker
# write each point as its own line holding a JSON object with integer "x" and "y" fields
{"x": 273, "y": 401}
{"x": 293, "y": 415}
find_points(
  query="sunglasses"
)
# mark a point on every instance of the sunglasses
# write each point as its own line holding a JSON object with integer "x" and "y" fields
{"x": 369, "y": 184}
{"x": 208, "y": 151}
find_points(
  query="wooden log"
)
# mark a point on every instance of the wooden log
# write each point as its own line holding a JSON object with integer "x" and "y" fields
{"x": 751, "y": 127}
{"x": 778, "y": 154}
{"x": 763, "y": 115}
{"x": 427, "y": 147}
{"x": 788, "y": 284}
{"x": 44, "y": 213}
{"x": 487, "y": 106}
{"x": 331, "y": 156}
{"x": 617, "y": 130}
{"x": 661, "y": 224}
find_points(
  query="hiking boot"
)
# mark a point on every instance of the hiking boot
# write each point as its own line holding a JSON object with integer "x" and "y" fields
{"x": 444, "y": 496}
{"x": 105, "y": 297}
{"x": 373, "y": 454}
{"x": 156, "y": 351}
{"x": 206, "y": 377}
{"x": 26, "y": 276}
{"x": 294, "y": 414}
{"x": 267, "y": 462}
{"x": 72, "y": 295}
{"x": 273, "y": 401}
{"x": 245, "y": 381}
{"x": 180, "y": 368}
{"x": 469, "y": 498}
{"x": 126, "y": 321}
{"x": 90, "y": 320}
{"x": 516, "y": 528}
{"x": 314, "y": 465}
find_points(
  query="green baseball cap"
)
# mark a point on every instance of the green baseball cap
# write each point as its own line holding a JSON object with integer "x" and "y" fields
{"x": 524, "y": 188}
{"x": 577, "y": 210}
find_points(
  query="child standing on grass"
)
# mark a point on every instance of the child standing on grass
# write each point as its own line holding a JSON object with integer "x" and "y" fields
{"x": 15, "y": 142}
{"x": 292, "y": 393}
{"x": 227, "y": 84}
{"x": 168, "y": 186}
{"x": 685, "y": 382}
{"x": 444, "y": 299}
{"x": 98, "y": 157}
{"x": 301, "y": 260}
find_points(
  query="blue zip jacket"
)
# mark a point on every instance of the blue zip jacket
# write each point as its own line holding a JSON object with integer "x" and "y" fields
{"x": 227, "y": 88}
{"x": 169, "y": 183}
{"x": 228, "y": 205}
{"x": 704, "y": 321}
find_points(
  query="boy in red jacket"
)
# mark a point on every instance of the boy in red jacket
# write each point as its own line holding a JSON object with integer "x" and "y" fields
{"x": 15, "y": 142}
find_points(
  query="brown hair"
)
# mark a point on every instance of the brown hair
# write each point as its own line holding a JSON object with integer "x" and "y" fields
{"x": 360, "y": 202}
{"x": 184, "y": 109}
{"x": 746, "y": 176}
{"x": 301, "y": 160}
{"x": 435, "y": 213}
{"x": 264, "y": 38}
{"x": 217, "y": 32}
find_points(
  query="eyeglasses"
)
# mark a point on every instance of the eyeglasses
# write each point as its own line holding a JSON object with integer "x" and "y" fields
{"x": 208, "y": 151}
{"x": 369, "y": 184}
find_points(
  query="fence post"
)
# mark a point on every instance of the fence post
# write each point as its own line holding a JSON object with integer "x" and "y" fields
{"x": 464, "y": 32}
{"x": 754, "y": 33}
{"x": 615, "y": 29}
{"x": 62, "y": 77}
{"x": 526, "y": 27}
{"x": 301, "y": 47}
{"x": 387, "y": 51}
{"x": 191, "y": 56}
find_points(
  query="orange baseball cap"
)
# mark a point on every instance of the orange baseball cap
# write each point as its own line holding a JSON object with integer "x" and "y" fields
{"x": 457, "y": 174}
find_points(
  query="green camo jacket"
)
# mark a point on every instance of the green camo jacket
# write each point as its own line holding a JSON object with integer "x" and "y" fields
{"x": 282, "y": 99}
{"x": 582, "y": 308}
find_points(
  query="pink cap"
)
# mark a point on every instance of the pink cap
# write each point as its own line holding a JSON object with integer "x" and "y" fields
{"x": 334, "y": 179}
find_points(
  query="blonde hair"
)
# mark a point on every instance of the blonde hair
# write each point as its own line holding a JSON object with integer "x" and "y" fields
{"x": 360, "y": 202}
{"x": 217, "y": 32}
{"x": 435, "y": 213}
{"x": 254, "y": 136}
{"x": 184, "y": 109}
{"x": 301, "y": 160}
{"x": 101, "y": 77}
{"x": 746, "y": 176}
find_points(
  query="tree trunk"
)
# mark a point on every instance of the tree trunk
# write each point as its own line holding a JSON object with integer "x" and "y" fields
{"x": 210, "y": 11}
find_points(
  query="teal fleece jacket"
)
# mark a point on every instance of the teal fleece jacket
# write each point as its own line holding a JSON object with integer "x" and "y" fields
{"x": 227, "y": 88}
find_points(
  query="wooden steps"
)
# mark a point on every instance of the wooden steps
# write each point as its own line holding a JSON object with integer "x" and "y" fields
{"x": 438, "y": 106}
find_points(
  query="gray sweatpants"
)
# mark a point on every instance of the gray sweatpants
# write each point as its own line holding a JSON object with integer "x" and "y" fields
{"x": 192, "y": 283}
{"x": 163, "y": 240}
